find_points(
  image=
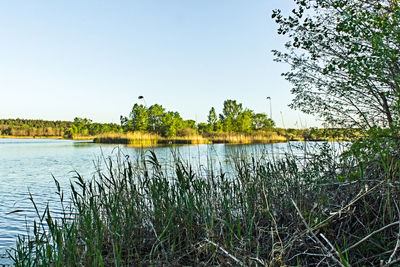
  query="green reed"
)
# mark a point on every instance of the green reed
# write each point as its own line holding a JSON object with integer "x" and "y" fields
{"x": 263, "y": 212}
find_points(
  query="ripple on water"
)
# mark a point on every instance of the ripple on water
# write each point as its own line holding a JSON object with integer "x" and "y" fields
{"x": 27, "y": 165}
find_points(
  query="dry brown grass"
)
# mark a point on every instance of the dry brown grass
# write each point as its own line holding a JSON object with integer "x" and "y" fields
{"x": 82, "y": 137}
{"x": 255, "y": 138}
{"x": 149, "y": 139}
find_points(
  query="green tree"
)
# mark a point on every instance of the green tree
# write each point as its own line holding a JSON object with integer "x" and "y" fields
{"x": 171, "y": 123}
{"x": 261, "y": 121}
{"x": 81, "y": 126}
{"x": 138, "y": 118}
{"x": 345, "y": 62}
{"x": 74, "y": 130}
{"x": 188, "y": 128}
{"x": 155, "y": 114}
{"x": 212, "y": 120}
{"x": 244, "y": 121}
{"x": 203, "y": 128}
{"x": 229, "y": 116}
{"x": 189, "y": 124}
{"x": 125, "y": 123}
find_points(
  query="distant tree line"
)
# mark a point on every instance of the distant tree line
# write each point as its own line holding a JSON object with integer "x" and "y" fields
{"x": 84, "y": 126}
{"x": 319, "y": 134}
{"x": 233, "y": 119}
{"x": 80, "y": 126}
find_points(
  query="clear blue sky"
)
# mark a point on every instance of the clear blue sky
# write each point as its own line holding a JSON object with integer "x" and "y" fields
{"x": 66, "y": 59}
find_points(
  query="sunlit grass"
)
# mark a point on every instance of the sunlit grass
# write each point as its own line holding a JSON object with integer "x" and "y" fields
{"x": 149, "y": 139}
{"x": 253, "y": 138}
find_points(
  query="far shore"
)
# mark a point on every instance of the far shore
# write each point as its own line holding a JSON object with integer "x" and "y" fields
{"x": 47, "y": 137}
{"x": 146, "y": 139}
{"x": 30, "y": 137}
{"x": 124, "y": 139}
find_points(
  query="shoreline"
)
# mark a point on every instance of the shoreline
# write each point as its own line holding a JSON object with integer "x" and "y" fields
{"x": 176, "y": 141}
{"x": 30, "y": 137}
{"x": 48, "y": 137}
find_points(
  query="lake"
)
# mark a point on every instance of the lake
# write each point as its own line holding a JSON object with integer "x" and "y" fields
{"x": 27, "y": 167}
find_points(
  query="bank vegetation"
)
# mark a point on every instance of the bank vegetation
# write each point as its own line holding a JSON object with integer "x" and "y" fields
{"x": 321, "y": 207}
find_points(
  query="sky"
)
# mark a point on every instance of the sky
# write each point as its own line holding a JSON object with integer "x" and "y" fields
{"x": 92, "y": 59}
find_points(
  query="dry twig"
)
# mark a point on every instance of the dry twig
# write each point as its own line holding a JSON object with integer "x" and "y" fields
{"x": 225, "y": 252}
{"x": 315, "y": 238}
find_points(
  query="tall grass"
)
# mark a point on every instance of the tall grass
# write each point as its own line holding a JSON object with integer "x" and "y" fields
{"x": 140, "y": 139}
{"x": 149, "y": 139}
{"x": 260, "y": 137}
{"x": 317, "y": 211}
{"x": 131, "y": 138}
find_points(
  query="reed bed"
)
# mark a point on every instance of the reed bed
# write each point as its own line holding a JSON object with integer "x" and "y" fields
{"x": 321, "y": 210}
{"x": 148, "y": 139}
{"x": 254, "y": 138}
{"x": 130, "y": 138}
{"x": 141, "y": 139}
{"x": 81, "y": 137}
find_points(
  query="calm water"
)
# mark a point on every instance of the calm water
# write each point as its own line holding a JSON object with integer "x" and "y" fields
{"x": 27, "y": 165}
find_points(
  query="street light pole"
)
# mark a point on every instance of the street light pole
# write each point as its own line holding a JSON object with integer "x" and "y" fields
{"x": 270, "y": 107}
{"x": 142, "y": 97}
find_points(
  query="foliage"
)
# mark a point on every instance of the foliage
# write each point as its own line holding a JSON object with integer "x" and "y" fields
{"x": 234, "y": 119}
{"x": 155, "y": 117}
{"x": 85, "y": 127}
{"x": 230, "y": 116}
{"x": 345, "y": 60}
{"x": 261, "y": 121}
{"x": 156, "y": 120}
{"x": 138, "y": 118}
{"x": 212, "y": 120}
{"x": 171, "y": 122}
{"x": 42, "y": 128}
{"x": 232, "y": 124}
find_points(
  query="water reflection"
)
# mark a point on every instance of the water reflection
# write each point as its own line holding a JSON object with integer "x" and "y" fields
{"x": 27, "y": 165}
